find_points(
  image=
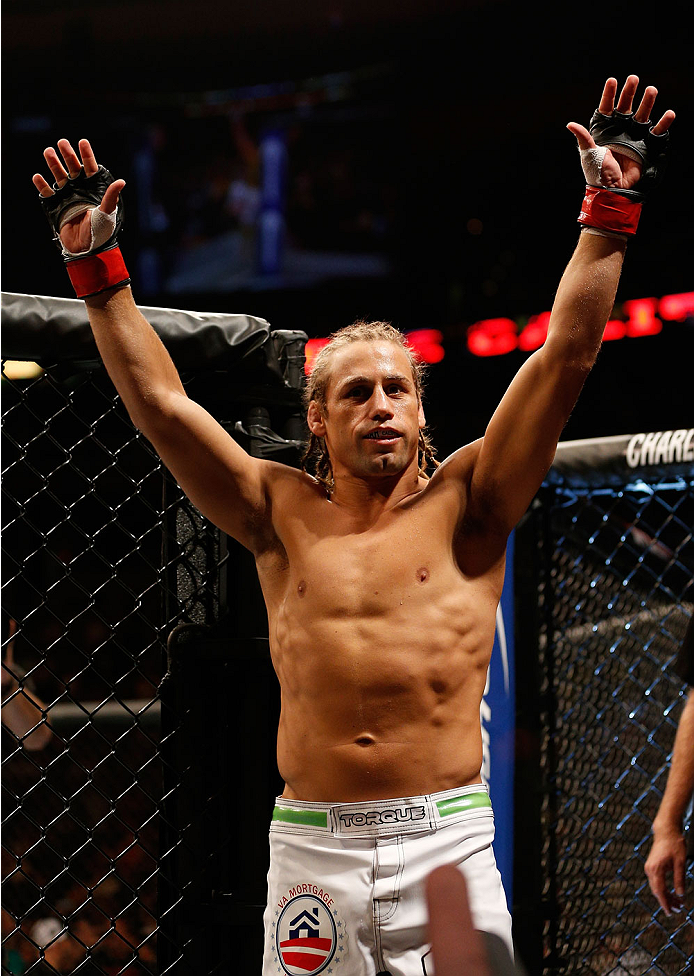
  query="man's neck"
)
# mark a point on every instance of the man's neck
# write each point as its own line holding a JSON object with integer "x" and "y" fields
{"x": 369, "y": 497}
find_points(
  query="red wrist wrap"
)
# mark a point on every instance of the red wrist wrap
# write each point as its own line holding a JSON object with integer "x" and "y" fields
{"x": 609, "y": 211}
{"x": 97, "y": 272}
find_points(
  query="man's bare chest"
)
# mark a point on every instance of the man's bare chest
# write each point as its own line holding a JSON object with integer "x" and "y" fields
{"x": 384, "y": 564}
{"x": 353, "y": 564}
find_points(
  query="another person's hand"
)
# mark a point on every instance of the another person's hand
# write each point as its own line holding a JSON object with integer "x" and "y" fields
{"x": 9, "y": 681}
{"x": 665, "y": 869}
{"x": 21, "y": 711}
{"x": 456, "y": 946}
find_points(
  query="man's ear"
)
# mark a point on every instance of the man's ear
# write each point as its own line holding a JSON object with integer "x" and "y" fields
{"x": 314, "y": 419}
{"x": 420, "y": 416}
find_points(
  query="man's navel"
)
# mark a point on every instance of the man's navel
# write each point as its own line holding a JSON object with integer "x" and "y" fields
{"x": 365, "y": 740}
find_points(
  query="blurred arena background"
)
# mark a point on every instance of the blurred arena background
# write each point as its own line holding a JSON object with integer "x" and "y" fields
{"x": 308, "y": 164}
{"x": 422, "y": 143}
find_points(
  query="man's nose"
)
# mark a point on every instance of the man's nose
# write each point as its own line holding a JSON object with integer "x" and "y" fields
{"x": 380, "y": 403}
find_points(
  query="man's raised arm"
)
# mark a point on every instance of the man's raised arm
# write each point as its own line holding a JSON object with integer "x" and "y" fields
{"x": 623, "y": 154}
{"x": 218, "y": 476}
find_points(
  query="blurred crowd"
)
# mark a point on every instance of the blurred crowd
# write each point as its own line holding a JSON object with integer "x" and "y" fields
{"x": 203, "y": 217}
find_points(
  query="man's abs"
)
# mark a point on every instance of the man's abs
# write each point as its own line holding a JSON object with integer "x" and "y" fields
{"x": 384, "y": 705}
{"x": 370, "y": 768}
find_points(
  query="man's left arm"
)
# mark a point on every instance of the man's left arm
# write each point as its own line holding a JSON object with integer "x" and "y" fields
{"x": 521, "y": 439}
{"x": 520, "y": 442}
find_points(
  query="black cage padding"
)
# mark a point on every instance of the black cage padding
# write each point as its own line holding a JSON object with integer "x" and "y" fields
{"x": 52, "y": 331}
{"x": 624, "y": 458}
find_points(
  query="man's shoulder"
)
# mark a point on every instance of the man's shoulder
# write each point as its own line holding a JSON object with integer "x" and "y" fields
{"x": 448, "y": 489}
{"x": 282, "y": 479}
{"x": 459, "y": 465}
{"x": 289, "y": 492}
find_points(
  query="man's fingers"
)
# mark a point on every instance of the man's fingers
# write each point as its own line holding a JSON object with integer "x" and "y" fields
{"x": 88, "y": 159}
{"x": 658, "y": 874}
{"x": 643, "y": 112}
{"x": 74, "y": 165}
{"x": 678, "y": 877}
{"x": 583, "y": 137}
{"x": 55, "y": 165}
{"x": 663, "y": 123}
{"x": 110, "y": 200}
{"x": 44, "y": 189}
{"x": 72, "y": 160}
{"x": 659, "y": 889}
{"x": 626, "y": 100}
{"x": 626, "y": 97}
{"x": 606, "y": 105}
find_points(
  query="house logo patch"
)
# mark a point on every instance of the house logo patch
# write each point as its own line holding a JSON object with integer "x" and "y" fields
{"x": 308, "y": 934}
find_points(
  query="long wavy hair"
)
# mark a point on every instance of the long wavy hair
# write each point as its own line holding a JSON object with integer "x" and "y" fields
{"x": 316, "y": 459}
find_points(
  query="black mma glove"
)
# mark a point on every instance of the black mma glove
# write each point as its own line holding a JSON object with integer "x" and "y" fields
{"x": 613, "y": 209}
{"x": 101, "y": 266}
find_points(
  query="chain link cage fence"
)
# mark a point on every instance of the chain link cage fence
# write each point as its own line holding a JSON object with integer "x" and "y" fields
{"x": 118, "y": 813}
{"x": 140, "y": 707}
{"x": 606, "y": 575}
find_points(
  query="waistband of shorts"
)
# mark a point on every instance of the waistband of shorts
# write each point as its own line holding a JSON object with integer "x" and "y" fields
{"x": 370, "y": 818}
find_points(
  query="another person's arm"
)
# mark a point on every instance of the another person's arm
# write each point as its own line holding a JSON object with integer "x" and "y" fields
{"x": 22, "y": 712}
{"x": 227, "y": 485}
{"x": 665, "y": 866}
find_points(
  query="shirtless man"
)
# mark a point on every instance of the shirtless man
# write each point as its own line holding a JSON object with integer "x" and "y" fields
{"x": 381, "y": 585}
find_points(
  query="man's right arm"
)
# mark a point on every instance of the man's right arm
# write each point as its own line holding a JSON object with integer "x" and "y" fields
{"x": 220, "y": 478}
{"x": 227, "y": 486}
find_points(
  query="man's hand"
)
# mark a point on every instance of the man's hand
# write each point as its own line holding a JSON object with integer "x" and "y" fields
{"x": 619, "y": 170}
{"x": 667, "y": 858}
{"x": 84, "y": 212}
{"x": 76, "y": 231}
{"x": 623, "y": 157}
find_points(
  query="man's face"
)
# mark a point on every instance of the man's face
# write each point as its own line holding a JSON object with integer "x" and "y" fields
{"x": 372, "y": 417}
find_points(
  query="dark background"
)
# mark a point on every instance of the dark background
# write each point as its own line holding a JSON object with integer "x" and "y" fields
{"x": 407, "y": 121}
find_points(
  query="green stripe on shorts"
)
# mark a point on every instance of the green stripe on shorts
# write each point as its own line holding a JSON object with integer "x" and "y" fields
{"x": 310, "y": 818}
{"x": 459, "y": 804}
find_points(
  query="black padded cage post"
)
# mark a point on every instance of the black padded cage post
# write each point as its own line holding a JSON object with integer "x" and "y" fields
{"x": 124, "y": 761}
{"x": 604, "y": 592}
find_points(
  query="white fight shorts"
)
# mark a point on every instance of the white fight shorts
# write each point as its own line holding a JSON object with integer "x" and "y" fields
{"x": 346, "y": 882}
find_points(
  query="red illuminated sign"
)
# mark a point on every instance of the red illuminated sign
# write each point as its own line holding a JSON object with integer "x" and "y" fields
{"x": 495, "y": 337}
{"x": 425, "y": 343}
{"x": 644, "y": 317}
{"x": 313, "y": 347}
